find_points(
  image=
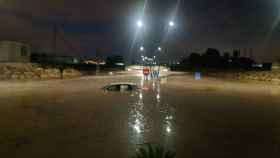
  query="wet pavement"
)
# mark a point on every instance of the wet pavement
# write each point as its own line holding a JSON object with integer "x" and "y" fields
{"x": 197, "y": 119}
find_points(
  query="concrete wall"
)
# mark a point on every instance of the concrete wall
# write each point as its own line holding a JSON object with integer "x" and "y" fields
{"x": 14, "y": 52}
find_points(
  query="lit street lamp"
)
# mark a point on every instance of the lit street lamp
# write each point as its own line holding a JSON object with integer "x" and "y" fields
{"x": 142, "y": 48}
{"x": 171, "y": 23}
{"x": 139, "y": 24}
{"x": 159, "y": 49}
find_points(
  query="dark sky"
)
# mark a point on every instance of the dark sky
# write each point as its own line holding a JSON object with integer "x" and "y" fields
{"x": 85, "y": 25}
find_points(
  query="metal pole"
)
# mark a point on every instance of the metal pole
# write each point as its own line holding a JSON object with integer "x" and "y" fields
{"x": 158, "y": 65}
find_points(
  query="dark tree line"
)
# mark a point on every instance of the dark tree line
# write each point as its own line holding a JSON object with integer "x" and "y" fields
{"x": 212, "y": 58}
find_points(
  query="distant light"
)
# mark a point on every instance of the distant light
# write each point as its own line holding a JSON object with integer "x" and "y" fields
{"x": 171, "y": 23}
{"x": 146, "y": 58}
{"x": 110, "y": 73}
{"x": 119, "y": 64}
{"x": 258, "y": 65}
{"x": 154, "y": 57}
{"x": 142, "y": 48}
{"x": 159, "y": 49}
{"x": 139, "y": 23}
{"x": 128, "y": 69}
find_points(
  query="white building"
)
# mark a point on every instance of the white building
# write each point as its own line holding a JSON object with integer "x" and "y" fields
{"x": 11, "y": 51}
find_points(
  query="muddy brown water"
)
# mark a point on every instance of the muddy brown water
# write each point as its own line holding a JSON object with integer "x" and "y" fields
{"x": 197, "y": 119}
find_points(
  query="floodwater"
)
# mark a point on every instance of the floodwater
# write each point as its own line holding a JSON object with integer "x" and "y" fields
{"x": 197, "y": 119}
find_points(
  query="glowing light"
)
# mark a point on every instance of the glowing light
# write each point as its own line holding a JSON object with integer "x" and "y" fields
{"x": 168, "y": 118}
{"x": 158, "y": 96}
{"x": 137, "y": 126}
{"x": 139, "y": 23}
{"x": 171, "y": 23}
{"x": 168, "y": 129}
{"x": 159, "y": 49}
{"x": 142, "y": 48}
{"x": 137, "y": 129}
{"x": 141, "y": 96}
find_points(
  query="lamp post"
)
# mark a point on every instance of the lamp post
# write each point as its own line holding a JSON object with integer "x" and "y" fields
{"x": 159, "y": 50}
{"x": 141, "y": 50}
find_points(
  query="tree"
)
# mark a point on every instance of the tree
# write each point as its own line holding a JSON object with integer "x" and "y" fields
{"x": 212, "y": 58}
{"x": 194, "y": 59}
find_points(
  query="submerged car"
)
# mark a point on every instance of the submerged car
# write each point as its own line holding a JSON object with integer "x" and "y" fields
{"x": 121, "y": 87}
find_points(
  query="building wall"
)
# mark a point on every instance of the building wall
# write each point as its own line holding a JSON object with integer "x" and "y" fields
{"x": 14, "y": 52}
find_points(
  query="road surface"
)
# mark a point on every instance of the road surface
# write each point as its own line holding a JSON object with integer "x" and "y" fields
{"x": 205, "y": 118}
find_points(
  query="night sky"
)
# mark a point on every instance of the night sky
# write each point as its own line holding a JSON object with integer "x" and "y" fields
{"x": 109, "y": 25}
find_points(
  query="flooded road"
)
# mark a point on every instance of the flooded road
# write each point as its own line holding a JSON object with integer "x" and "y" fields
{"x": 197, "y": 119}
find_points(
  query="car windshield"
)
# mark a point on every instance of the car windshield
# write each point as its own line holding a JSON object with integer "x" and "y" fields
{"x": 114, "y": 88}
{"x": 139, "y": 78}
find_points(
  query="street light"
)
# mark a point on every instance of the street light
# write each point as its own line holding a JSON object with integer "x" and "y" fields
{"x": 142, "y": 48}
{"x": 139, "y": 24}
{"x": 160, "y": 50}
{"x": 171, "y": 23}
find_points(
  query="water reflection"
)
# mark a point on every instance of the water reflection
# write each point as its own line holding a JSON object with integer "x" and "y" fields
{"x": 158, "y": 97}
{"x": 137, "y": 120}
{"x": 168, "y": 123}
{"x": 140, "y": 95}
{"x": 150, "y": 115}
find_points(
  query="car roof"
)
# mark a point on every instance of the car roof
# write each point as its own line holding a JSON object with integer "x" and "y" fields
{"x": 122, "y": 83}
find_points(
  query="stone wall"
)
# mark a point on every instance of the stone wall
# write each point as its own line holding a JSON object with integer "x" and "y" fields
{"x": 26, "y": 71}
